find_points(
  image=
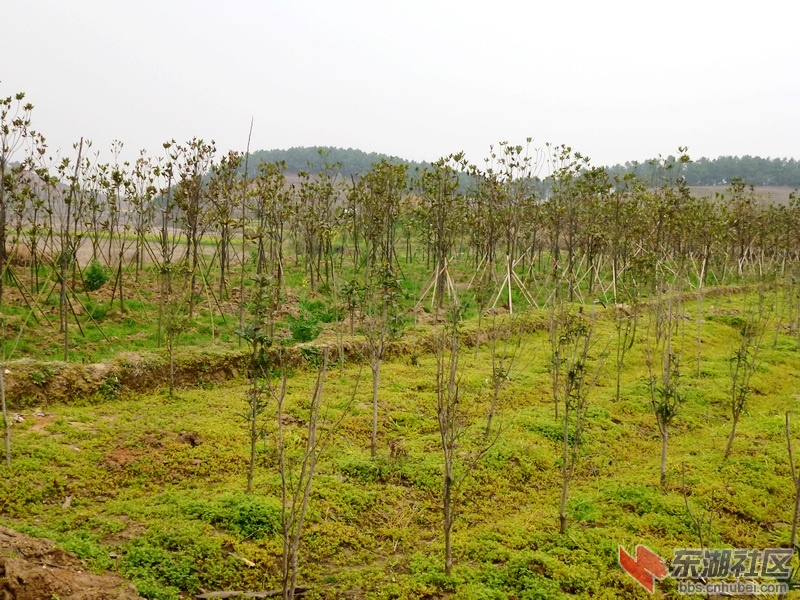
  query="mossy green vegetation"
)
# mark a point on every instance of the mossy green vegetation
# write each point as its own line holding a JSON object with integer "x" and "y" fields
{"x": 153, "y": 487}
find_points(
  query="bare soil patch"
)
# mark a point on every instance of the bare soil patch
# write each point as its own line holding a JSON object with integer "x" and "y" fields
{"x": 34, "y": 569}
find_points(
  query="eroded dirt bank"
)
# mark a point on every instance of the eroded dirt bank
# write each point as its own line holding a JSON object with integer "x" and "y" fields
{"x": 34, "y": 569}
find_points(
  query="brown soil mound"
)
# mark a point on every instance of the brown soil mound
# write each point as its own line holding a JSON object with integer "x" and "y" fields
{"x": 32, "y": 569}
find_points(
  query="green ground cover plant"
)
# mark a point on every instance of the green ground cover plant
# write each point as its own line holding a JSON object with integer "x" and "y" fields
{"x": 159, "y": 482}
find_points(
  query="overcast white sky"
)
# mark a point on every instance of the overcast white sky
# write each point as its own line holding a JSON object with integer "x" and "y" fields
{"x": 615, "y": 80}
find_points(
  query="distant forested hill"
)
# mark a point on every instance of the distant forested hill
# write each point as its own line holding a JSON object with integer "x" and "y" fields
{"x": 701, "y": 172}
{"x": 753, "y": 170}
{"x": 313, "y": 159}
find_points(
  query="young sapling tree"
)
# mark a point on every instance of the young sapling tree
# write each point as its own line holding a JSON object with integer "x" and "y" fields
{"x": 745, "y": 361}
{"x": 258, "y": 336}
{"x": 454, "y": 424}
{"x": 297, "y": 472}
{"x": 381, "y": 309}
{"x": 574, "y": 371}
{"x": 504, "y": 345}
{"x": 662, "y": 355}
{"x": 626, "y": 317}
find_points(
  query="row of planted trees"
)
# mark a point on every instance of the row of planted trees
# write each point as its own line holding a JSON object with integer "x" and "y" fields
{"x": 520, "y": 223}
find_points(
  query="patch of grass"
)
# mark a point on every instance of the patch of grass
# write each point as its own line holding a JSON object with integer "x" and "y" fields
{"x": 248, "y": 517}
{"x": 734, "y": 321}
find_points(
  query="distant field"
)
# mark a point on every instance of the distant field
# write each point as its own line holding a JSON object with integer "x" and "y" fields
{"x": 771, "y": 193}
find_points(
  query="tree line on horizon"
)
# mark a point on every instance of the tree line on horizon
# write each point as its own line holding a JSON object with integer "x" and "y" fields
{"x": 312, "y": 159}
{"x": 720, "y": 171}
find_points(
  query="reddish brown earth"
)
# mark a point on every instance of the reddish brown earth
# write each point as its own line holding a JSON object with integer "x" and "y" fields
{"x": 34, "y": 569}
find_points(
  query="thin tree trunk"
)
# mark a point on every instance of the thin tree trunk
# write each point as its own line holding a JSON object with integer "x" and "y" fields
{"x": 795, "y": 517}
{"x": 729, "y": 446}
{"x": 7, "y": 425}
{"x": 171, "y": 344}
{"x": 493, "y": 407}
{"x": 795, "y": 481}
{"x": 565, "y": 474}
{"x": 699, "y": 331}
{"x": 448, "y": 520}
{"x": 295, "y": 508}
{"x": 254, "y": 408}
{"x": 664, "y": 439}
{"x": 3, "y": 256}
{"x": 376, "y": 375}
{"x": 562, "y": 514}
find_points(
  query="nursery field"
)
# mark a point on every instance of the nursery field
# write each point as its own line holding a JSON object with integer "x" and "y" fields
{"x": 152, "y": 486}
{"x": 221, "y": 375}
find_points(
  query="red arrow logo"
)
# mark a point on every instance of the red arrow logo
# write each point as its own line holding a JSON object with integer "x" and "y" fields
{"x": 646, "y": 568}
